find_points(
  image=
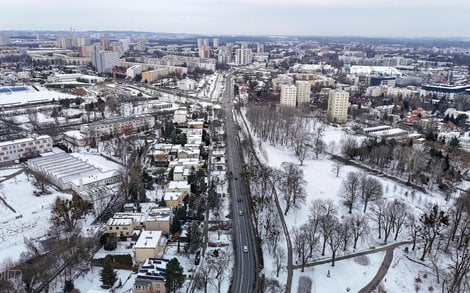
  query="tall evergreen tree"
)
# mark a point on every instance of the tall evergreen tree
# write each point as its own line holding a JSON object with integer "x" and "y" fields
{"x": 108, "y": 275}
{"x": 174, "y": 275}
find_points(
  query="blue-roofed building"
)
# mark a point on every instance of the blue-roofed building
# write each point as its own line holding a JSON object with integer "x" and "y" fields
{"x": 151, "y": 276}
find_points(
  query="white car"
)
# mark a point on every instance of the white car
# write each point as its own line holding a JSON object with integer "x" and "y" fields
{"x": 245, "y": 249}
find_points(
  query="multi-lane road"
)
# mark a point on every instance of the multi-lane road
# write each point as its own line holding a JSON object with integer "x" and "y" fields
{"x": 244, "y": 272}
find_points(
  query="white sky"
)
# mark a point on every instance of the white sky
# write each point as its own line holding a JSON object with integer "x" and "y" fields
{"x": 408, "y": 18}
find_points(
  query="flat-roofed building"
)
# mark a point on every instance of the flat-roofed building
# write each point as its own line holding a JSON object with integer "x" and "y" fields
{"x": 150, "y": 245}
{"x": 24, "y": 148}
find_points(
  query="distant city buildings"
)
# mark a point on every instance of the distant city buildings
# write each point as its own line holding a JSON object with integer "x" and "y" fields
{"x": 204, "y": 52}
{"x": 338, "y": 103}
{"x": 104, "y": 61}
{"x": 141, "y": 45}
{"x": 215, "y": 42}
{"x": 4, "y": 39}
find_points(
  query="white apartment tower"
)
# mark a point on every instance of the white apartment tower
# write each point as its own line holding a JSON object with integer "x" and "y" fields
{"x": 288, "y": 96}
{"x": 141, "y": 44}
{"x": 215, "y": 42}
{"x": 243, "y": 56}
{"x": 199, "y": 42}
{"x": 338, "y": 103}
{"x": 104, "y": 61}
{"x": 303, "y": 92}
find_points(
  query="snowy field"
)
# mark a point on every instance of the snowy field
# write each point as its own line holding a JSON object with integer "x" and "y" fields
{"x": 322, "y": 183}
{"x": 31, "y": 217}
{"x": 353, "y": 273}
{"x": 403, "y": 273}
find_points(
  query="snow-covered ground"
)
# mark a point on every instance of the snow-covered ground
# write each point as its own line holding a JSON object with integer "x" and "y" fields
{"x": 322, "y": 183}
{"x": 403, "y": 273}
{"x": 91, "y": 281}
{"x": 31, "y": 217}
{"x": 354, "y": 273}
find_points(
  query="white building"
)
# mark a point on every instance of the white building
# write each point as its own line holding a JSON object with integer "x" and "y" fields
{"x": 338, "y": 103}
{"x": 215, "y": 42}
{"x": 24, "y": 148}
{"x": 179, "y": 116}
{"x": 243, "y": 56}
{"x": 303, "y": 92}
{"x": 288, "y": 95}
{"x": 72, "y": 171}
{"x": 134, "y": 70}
{"x": 125, "y": 43}
{"x": 104, "y": 61}
{"x": 187, "y": 84}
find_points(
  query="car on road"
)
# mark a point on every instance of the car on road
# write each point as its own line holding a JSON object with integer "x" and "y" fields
{"x": 239, "y": 199}
{"x": 245, "y": 249}
{"x": 240, "y": 213}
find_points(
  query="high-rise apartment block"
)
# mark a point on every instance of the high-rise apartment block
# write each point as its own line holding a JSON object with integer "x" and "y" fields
{"x": 303, "y": 92}
{"x": 215, "y": 42}
{"x": 288, "y": 96}
{"x": 243, "y": 56}
{"x": 104, "y": 61}
{"x": 338, "y": 103}
{"x": 205, "y": 52}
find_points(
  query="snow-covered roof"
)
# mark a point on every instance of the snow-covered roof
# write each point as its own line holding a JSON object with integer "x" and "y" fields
{"x": 148, "y": 239}
{"x": 23, "y": 140}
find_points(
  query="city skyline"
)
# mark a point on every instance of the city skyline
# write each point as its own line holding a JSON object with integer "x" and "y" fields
{"x": 367, "y": 18}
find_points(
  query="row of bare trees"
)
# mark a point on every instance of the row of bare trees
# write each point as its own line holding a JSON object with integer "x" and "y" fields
{"x": 285, "y": 127}
{"x": 422, "y": 166}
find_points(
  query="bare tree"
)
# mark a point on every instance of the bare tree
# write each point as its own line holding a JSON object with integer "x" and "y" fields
{"x": 349, "y": 190}
{"x": 432, "y": 225}
{"x": 292, "y": 185}
{"x": 457, "y": 274}
{"x": 336, "y": 168}
{"x": 435, "y": 171}
{"x": 378, "y": 212}
{"x": 359, "y": 227}
{"x": 319, "y": 145}
{"x": 279, "y": 259}
{"x": 301, "y": 246}
{"x": 326, "y": 212}
{"x": 66, "y": 214}
{"x": 335, "y": 239}
{"x": 371, "y": 190}
{"x": 400, "y": 210}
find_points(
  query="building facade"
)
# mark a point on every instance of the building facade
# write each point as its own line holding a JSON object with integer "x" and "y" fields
{"x": 24, "y": 148}
{"x": 288, "y": 96}
{"x": 104, "y": 61}
{"x": 338, "y": 103}
{"x": 303, "y": 92}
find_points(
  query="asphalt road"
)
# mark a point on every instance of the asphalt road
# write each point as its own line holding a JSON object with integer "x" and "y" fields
{"x": 244, "y": 272}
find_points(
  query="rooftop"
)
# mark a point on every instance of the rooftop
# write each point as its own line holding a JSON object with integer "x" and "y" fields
{"x": 148, "y": 239}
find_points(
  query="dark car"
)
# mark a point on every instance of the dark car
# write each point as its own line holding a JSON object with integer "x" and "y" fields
{"x": 239, "y": 199}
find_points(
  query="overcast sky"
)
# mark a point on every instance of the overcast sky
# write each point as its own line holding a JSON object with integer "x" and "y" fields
{"x": 407, "y": 18}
